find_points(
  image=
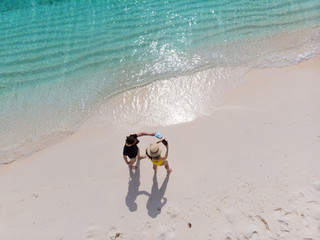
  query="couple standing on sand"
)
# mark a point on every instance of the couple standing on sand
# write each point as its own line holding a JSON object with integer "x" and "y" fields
{"x": 132, "y": 151}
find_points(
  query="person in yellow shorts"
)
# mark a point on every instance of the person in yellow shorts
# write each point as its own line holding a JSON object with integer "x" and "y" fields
{"x": 154, "y": 154}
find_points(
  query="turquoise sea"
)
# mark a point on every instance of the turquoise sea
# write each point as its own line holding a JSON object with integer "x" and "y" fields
{"x": 61, "y": 59}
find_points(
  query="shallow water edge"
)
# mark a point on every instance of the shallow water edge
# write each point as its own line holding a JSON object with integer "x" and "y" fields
{"x": 177, "y": 99}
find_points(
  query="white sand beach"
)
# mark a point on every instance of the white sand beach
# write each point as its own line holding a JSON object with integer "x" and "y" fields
{"x": 250, "y": 170}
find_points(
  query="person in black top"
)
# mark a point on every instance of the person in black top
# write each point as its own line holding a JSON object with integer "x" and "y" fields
{"x": 131, "y": 149}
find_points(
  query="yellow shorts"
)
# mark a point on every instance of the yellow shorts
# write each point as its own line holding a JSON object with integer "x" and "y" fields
{"x": 159, "y": 162}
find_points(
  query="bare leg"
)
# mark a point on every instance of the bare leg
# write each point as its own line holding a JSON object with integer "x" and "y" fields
{"x": 166, "y": 165}
{"x": 132, "y": 161}
{"x": 155, "y": 167}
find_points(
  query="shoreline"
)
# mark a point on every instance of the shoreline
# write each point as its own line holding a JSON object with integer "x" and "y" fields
{"x": 180, "y": 93}
{"x": 249, "y": 170}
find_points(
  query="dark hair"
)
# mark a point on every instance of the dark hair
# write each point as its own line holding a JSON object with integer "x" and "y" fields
{"x": 130, "y": 140}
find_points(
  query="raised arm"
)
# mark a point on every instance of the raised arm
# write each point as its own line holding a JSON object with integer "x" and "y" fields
{"x": 145, "y": 134}
{"x": 166, "y": 155}
{"x": 166, "y": 144}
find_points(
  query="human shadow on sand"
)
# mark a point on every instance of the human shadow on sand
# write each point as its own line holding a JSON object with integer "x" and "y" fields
{"x": 133, "y": 188}
{"x": 156, "y": 199}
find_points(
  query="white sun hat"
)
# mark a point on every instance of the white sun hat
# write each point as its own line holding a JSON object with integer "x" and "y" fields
{"x": 154, "y": 150}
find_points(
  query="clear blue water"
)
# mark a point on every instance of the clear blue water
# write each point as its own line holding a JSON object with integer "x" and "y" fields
{"x": 59, "y": 60}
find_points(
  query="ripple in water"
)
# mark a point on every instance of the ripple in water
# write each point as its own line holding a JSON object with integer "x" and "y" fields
{"x": 61, "y": 60}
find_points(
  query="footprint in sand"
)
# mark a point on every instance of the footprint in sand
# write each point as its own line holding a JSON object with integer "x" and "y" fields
{"x": 254, "y": 236}
{"x": 93, "y": 232}
{"x": 165, "y": 232}
{"x": 316, "y": 184}
{"x": 114, "y": 234}
{"x": 173, "y": 212}
{"x": 35, "y": 195}
{"x": 266, "y": 225}
{"x": 96, "y": 233}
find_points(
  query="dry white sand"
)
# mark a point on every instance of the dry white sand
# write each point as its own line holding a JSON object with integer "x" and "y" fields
{"x": 250, "y": 170}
